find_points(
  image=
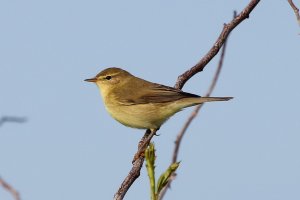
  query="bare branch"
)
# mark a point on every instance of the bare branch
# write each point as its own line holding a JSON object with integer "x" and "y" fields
{"x": 3, "y": 183}
{"x": 194, "y": 115}
{"x": 191, "y": 118}
{"x": 5, "y": 119}
{"x": 182, "y": 79}
{"x": 10, "y": 189}
{"x": 296, "y": 10}
{"x": 137, "y": 165}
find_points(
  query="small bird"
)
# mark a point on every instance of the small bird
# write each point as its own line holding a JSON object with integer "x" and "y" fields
{"x": 141, "y": 104}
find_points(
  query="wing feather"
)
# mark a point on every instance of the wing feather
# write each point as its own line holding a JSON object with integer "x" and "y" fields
{"x": 156, "y": 93}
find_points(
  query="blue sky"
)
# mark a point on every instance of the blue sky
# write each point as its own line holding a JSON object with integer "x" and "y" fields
{"x": 70, "y": 148}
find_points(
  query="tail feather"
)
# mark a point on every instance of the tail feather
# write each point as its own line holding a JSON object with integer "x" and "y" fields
{"x": 209, "y": 99}
{"x": 192, "y": 101}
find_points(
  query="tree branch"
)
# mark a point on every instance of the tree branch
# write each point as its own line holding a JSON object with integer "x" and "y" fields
{"x": 5, "y": 119}
{"x": 197, "y": 109}
{"x": 3, "y": 183}
{"x": 193, "y": 116}
{"x": 295, "y": 9}
{"x": 10, "y": 189}
{"x": 138, "y": 161}
{"x": 182, "y": 79}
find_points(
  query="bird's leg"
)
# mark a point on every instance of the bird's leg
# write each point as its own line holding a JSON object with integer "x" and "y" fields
{"x": 143, "y": 144}
{"x": 148, "y": 131}
{"x": 156, "y": 131}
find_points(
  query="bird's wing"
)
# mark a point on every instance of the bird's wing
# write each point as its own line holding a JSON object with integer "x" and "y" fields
{"x": 156, "y": 93}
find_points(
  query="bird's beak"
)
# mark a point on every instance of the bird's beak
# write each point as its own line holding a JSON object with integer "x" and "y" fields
{"x": 93, "y": 80}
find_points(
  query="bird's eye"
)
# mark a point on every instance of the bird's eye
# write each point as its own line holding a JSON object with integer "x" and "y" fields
{"x": 108, "y": 77}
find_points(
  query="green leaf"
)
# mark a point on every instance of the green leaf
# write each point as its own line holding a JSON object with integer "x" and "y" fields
{"x": 164, "y": 178}
{"x": 150, "y": 165}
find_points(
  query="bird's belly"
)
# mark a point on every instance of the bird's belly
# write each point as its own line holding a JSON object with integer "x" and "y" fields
{"x": 142, "y": 116}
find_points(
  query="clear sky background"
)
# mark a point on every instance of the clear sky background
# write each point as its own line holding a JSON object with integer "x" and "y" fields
{"x": 70, "y": 148}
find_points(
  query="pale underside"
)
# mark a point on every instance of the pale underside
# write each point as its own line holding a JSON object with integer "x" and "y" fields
{"x": 150, "y": 109}
{"x": 143, "y": 116}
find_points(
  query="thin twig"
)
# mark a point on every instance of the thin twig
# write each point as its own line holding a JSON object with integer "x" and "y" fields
{"x": 10, "y": 189}
{"x": 196, "y": 110}
{"x": 182, "y": 79}
{"x": 190, "y": 119}
{"x": 5, "y": 119}
{"x": 193, "y": 116}
{"x": 296, "y": 10}
{"x": 137, "y": 165}
{"x": 3, "y": 183}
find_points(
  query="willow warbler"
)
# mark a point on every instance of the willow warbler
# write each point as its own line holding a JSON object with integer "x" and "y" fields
{"x": 138, "y": 103}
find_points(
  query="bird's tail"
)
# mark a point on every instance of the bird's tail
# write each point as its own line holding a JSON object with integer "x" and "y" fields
{"x": 209, "y": 99}
{"x": 187, "y": 102}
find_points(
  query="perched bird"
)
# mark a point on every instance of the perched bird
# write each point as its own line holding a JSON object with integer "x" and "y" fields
{"x": 141, "y": 104}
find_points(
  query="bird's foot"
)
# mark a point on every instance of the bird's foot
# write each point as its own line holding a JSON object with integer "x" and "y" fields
{"x": 143, "y": 144}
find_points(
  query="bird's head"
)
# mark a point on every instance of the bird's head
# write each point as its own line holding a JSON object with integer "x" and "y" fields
{"x": 110, "y": 79}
